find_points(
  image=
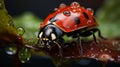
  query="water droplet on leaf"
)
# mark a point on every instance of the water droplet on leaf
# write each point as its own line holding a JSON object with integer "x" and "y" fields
{"x": 24, "y": 55}
{"x": 10, "y": 23}
{"x": 84, "y": 61}
{"x": 20, "y": 31}
{"x": 10, "y": 50}
{"x": 116, "y": 44}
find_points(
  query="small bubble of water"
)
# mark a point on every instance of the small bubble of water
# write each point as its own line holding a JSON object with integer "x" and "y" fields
{"x": 20, "y": 31}
{"x": 84, "y": 62}
{"x": 10, "y": 23}
{"x": 10, "y": 50}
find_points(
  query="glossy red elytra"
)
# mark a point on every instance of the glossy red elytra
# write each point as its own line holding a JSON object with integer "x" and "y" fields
{"x": 73, "y": 20}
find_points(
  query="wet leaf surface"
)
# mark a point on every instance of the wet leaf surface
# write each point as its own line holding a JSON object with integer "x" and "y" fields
{"x": 7, "y": 28}
{"x": 105, "y": 51}
{"x": 8, "y": 35}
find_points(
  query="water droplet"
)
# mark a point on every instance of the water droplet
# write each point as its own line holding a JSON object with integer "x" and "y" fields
{"x": 10, "y": 50}
{"x": 84, "y": 61}
{"x": 91, "y": 10}
{"x": 55, "y": 9}
{"x": 93, "y": 55}
{"x": 116, "y": 45}
{"x": 75, "y": 5}
{"x": 105, "y": 57}
{"x": 62, "y": 5}
{"x": 10, "y": 23}
{"x": 105, "y": 49}
{"x": 67, "y": 13}
{"x": 24, "y": 55}
{"x": 20, "y": 31}
{"x": 118, "y": 58}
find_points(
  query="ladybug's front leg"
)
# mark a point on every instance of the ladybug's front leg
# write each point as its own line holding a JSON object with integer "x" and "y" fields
{"x": 99, "y": 34}
{"x": 37, "y": 46}
{"x": 94, "y": 37}
{"x": 60, "y": 48}
{"x": 79, "y": 45}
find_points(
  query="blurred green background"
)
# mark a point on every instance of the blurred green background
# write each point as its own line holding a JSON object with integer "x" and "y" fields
{"x": 30, "y": 23}
{"x": 108, "y": 17}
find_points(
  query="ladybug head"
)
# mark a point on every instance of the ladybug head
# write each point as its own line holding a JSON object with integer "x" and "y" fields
{"x": 49, "y": 34}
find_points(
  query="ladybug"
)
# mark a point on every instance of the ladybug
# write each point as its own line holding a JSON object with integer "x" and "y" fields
{"x": 73, "y": 20}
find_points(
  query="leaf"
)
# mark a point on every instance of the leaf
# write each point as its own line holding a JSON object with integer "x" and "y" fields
{"x": 7, "y": 29}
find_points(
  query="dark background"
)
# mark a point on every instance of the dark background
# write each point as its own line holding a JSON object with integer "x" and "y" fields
{"x": 42, "y": 8}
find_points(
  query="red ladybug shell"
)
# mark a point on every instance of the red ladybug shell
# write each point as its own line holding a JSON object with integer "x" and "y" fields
{"x": 65, "y": 18}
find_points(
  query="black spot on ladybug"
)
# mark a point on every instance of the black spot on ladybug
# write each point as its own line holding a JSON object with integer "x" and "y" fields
{"x": 85, "y": 15}
{"x": 67, "y": 13}
{"x": 77, "y": 20}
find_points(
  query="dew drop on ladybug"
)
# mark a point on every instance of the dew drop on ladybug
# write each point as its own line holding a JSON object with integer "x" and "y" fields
{"x": 91, "y": 10}
{"x": 62, "y": 5}
{"x": 55, "y": 9}
{"x": 67, "y": 13}
{"x": 75, "y": 5}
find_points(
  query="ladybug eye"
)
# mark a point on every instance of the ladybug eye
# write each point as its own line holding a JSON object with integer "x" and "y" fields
{"x": 66, "y": 13}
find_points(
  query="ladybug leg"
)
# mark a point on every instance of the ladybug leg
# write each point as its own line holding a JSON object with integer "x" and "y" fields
{"x": 38, "y": 41}
{"x": 36, "y": 46}
{"x": 79, "y": 45}
{"x": 99, "y": 34}
{"x": 60, "y": 48}
{"x": 95, "y": 38}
